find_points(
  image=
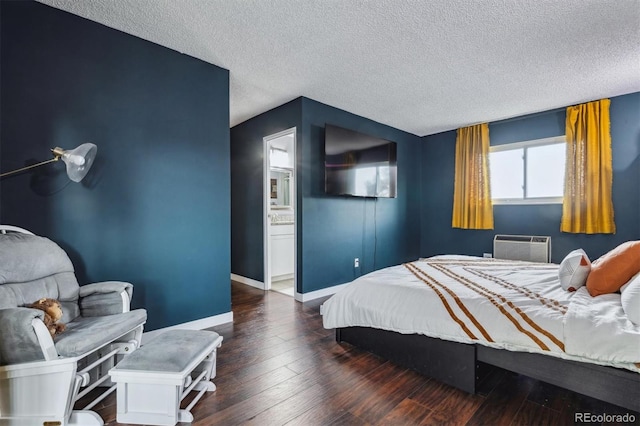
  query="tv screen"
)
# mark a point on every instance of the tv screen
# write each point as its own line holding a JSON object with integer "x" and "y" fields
{"x": 358, "y": 165}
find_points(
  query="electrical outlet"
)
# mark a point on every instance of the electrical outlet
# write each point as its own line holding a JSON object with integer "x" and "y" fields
{"x": 356, "y": 263}
{"x": 487, "y": 255}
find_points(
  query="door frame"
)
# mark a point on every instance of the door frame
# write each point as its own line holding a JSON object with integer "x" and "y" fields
{"x": 266, "y": 200}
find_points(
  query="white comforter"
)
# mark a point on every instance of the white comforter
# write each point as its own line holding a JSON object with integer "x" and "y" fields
{"x": 518, "y": 306}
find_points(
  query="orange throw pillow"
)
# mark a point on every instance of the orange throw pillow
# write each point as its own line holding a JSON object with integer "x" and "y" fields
{"x": 612, "y": 270}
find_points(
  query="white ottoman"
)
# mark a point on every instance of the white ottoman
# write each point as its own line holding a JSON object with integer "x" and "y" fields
{"x": 153, "y": 380}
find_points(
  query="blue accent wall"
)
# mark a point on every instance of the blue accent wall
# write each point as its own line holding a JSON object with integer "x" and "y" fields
{"x": 437, "y": 174}
{"x": 155, "y": 208}
{"x": 247, "y": 157}
{"x": 380, "y": 232}
{"x": 332, "y": 230}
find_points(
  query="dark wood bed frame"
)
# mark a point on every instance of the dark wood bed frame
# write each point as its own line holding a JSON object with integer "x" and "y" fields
{"x": 459, "y": 364}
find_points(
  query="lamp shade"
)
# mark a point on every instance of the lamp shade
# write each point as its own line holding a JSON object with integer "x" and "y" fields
{"x": 79, "y": 160}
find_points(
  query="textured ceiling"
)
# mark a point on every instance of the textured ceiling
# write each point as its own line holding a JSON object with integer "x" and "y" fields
{"x": 420, "y": 66}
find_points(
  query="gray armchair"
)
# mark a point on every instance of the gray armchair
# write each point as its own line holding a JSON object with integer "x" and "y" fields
{"x": 100, "y": 331}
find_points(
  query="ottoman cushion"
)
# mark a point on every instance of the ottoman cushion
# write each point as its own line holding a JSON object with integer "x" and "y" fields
{"x": 171, "y": 351}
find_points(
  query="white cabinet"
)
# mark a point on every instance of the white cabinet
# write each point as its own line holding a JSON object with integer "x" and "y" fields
{"x": 282, "y": 251}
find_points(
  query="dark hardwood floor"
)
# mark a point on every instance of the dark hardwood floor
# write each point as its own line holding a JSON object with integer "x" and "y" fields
{"x": 278, "y": 365}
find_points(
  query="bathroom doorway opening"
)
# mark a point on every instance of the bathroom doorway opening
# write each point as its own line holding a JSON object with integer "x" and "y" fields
{"x": 280, "y": 219}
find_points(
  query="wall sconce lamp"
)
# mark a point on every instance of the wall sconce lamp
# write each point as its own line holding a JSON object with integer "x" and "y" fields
{"x": 78, "y": 161}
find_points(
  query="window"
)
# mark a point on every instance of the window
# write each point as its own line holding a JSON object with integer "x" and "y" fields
{"x": 530, "y": 172}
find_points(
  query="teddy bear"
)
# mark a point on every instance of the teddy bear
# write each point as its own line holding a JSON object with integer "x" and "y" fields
{"x": 52, "y": 314}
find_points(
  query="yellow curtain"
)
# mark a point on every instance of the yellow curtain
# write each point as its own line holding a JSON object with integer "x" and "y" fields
{"x": 587, "y": 207}
{"x": 472, "y": 208}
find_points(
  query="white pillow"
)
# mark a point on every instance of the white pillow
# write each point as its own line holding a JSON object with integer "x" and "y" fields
{"x": 574, "y": 270}
{"x": 630, "y": 299}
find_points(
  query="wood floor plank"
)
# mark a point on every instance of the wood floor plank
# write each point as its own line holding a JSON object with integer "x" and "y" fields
{"x": 290, "y": 408}
{"x": 387, "y": 395}
{"x": 531, "y": 413}
{"x": 432, "y": 393}
{"x": 348, "y": 419}
{"x": 233, "y": 392}
{"x": 347, "y": 389}
{"x": 407, "y": 412}
{"x": 275, "y": 360}
{"x": 336, "y": 358}
{"x": 248, "y": 408}
{"x": 238, "y": 360}
{"x": 456, "y": 409}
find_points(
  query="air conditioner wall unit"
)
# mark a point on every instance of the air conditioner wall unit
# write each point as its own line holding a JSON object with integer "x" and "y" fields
{"x": 531, "y": 248}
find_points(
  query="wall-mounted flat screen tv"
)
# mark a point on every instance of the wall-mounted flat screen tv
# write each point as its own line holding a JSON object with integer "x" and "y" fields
{"x": 359, "y": 165}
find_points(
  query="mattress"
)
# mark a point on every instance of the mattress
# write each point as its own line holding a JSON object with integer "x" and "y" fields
{"x": 512, "y": 305}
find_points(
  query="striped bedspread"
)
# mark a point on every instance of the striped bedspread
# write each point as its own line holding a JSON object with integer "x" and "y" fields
{"x": 517, "y": 306}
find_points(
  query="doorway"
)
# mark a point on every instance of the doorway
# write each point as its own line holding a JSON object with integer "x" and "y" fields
{"x": 280, "y": 235}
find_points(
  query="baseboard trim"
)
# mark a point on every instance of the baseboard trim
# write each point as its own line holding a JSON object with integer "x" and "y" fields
{"x": 199, "y": 324}
{"x": 305, "y": 297}
{"x": 247, "y": 281}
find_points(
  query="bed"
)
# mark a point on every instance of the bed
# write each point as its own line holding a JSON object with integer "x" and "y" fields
{"x": 446, "y": 316}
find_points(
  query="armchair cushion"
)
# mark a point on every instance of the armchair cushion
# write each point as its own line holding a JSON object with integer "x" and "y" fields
{"x": 28, "y": 258}
{"x": 21, "y": 345}
{"x": 106, "y": 287}
{"x": 33, "y": 267}
{"x": 103, "y": 298}
{"x": 84, "y": 334}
